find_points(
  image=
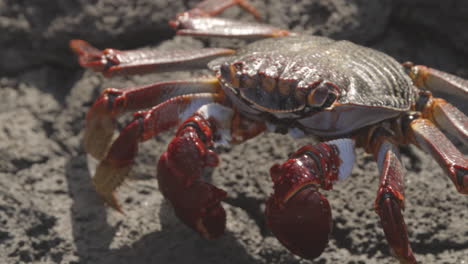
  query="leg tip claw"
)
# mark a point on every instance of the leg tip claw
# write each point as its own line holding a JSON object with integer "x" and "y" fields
{"x": 88, "y": 56}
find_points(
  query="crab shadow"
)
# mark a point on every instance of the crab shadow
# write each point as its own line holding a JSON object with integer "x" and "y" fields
{"x": 93, "y": 236}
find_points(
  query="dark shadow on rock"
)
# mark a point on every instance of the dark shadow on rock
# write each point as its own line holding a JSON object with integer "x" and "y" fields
{"x": 88, "y": 214}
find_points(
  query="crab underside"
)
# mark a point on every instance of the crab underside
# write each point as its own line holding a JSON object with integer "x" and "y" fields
{"x": 346, "y": 95}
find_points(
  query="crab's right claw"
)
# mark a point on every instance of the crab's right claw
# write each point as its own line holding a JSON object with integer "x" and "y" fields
{"x": 301, "y": 218}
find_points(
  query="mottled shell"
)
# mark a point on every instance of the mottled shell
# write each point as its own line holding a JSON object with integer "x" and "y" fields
{"x": 276, "y": 75}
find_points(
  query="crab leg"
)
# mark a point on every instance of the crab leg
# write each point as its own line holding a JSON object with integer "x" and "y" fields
{"x": 435, "y": 80}
{"x": 448, "y": 117}
{"x": 198, "y": 22}
{"x": 215, "y": 7}
{"x": 390, "y": 201}
{"x": 428, "y": 137}
{"x": 297, "y": 213}
{"x": 197, "y": 203}
{"x": 101, "y": 118}
{"x": 113, "y": 62}
{"x": 222, "y": 27}
{"x": 114, "y": 168}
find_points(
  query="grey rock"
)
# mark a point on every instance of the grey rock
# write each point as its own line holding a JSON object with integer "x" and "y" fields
{"x": 50, "y": 213}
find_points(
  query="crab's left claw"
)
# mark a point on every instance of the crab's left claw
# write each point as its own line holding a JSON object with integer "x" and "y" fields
{"x": 299, "y": 217}
{"x": 303, "y": 224}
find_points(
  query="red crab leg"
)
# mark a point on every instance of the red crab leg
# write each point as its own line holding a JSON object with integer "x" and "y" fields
{"x": 435, "y": 80}
{"x": 447, "y": 117}
{"x": 297, "y": 213}
{"x": 101, "y": 118}
{"x": 113, "y": 62}
{"x": 390, "y": 201}
{"x": 197, "y": 203}
{"x": 428, "y": 137}
{"x": 114, "y": 168}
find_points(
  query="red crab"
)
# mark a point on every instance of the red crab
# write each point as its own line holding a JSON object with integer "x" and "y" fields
{"x": 346, "y": 95}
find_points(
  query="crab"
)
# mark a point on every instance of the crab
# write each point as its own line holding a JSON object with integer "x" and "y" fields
{"x": 345, "y": 95}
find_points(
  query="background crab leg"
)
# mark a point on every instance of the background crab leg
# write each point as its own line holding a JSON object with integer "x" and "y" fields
{"x": 222, "y": 27}
{"x": 214, "y": 7}
{"x": 101, "y": 118}
{"x": 113, "y": 62}
{"x": 390, "y": 200}
{"x": 180, "y": 168}
{"x": 446, "y": 116}
{"x": 114, "y": 168}
{"x": 428, "y": 137}
{"x": 435, "y": 80}
{"x": 197, "y": 22}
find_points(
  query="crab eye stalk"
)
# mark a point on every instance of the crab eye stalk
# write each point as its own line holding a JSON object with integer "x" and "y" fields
{"x": 226, "y": 72}
{"x": 317, "y": 96}
{"x": 323, "y": 95}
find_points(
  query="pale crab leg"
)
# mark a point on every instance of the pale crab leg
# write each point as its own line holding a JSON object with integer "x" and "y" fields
{"x": 428, "y": 137}
{"x": 435, "y": 80}
{"x": 442, "y": 113}
{"x": 389, "y": 203}
{"x": 222, "y": 27}
{"x": 113, "y": 62}
{"x": 196, "y": 202}
{"x": 114, "y": 168}
{"x": 215, "y": 7}
{"x": 101, "y": 117}
{"x": 447, "y": 117}
{"x": 197, "y": 22}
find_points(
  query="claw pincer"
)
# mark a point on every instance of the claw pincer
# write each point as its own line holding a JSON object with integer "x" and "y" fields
{"x": 297, "y": 213}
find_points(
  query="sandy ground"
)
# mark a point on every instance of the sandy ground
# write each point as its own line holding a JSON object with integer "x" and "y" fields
{"x": 49, "y": 212}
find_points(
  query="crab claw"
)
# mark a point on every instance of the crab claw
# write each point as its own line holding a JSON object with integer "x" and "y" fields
{"x": 298, "y": 215}
{"x": 303, "y": 224}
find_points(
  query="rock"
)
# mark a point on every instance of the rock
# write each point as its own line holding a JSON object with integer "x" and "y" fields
{"x": 50, "y": 213}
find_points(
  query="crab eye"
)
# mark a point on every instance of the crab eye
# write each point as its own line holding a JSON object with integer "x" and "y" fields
{"x": 318, "y": 96}
{"x": 231, "y": 73}
{"x": 324, "y": 95}
{"x": 227, "y": 72}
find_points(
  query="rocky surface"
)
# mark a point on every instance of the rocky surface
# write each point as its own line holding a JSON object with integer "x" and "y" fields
{"x": 49, "y": 212}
